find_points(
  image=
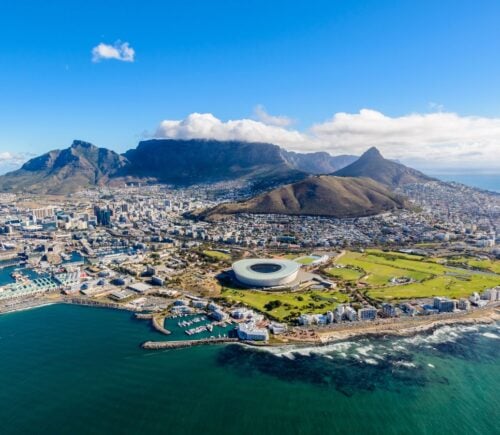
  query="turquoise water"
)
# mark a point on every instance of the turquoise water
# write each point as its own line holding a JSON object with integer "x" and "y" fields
{"x": 70, "y": 369}
{"x": 177, "y": 332}
{"x": 6, "y": 278}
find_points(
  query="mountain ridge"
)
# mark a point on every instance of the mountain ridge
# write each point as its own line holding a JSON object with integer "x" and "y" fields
{"x": 178, "y": 162}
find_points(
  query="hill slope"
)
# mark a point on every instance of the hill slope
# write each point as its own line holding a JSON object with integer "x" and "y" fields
{"x": 372, "y": 165}
{"x": 64, "y": 171}
{"x": 317, "y": 196}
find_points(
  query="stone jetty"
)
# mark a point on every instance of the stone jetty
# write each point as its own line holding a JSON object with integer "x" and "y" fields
{"x": 156, "y": 345}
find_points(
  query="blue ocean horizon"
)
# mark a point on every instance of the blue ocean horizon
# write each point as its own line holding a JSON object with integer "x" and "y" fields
{"x": 489, "y": 182}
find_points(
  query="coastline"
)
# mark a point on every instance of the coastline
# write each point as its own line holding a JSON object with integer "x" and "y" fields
{"x": 320, "y": 337}
{"x": 486, "y": 316}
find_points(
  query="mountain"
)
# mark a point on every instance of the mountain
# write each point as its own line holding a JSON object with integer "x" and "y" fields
{"x": 64, "y": 171}
{"x": 185, "y": 162}
{"x": 318, "y": 163}
{"x": 392, "y": 174}
{"x": 317, "y": 196}
{"x": 179, "y": 162}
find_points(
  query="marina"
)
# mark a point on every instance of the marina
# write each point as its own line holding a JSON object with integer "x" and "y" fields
{"x": 197, "y": 325}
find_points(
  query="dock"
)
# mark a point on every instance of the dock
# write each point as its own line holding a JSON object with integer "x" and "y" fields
{"x": 179, "y": 344}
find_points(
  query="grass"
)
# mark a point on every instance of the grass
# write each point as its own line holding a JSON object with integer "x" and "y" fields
{"x": 305, "y": 260}
{"x": 292, "y": 304}
{"x": 217, "y": 255}
{"x": 486, "y": 265}
{"x": 378, "y": 273}
{"x": 345, "y": 273}
{"x": 431, "y": 278}
{"x": 449, "y": 286}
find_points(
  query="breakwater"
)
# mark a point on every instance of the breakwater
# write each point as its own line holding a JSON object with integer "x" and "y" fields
{"x": 157, "y": 322}
{"x": 157, "y": 345}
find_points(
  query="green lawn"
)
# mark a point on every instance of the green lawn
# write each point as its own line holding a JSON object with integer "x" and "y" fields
{"x": 448, "y": 286}
{"x": 304, "y": 260}
{"x": 486, "y": 265}
{"x": 217, "y": 255}
{"x": 344, "y": 273}
{"x": 432, "y": 278}
{"x": 304, "y": 302}
{"x": 379, "y": 274}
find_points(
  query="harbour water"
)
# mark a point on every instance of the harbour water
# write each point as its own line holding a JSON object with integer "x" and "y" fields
{"x": 71, "y": 369}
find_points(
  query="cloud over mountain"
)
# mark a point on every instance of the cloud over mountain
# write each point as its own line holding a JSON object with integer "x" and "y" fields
{"x": 207, "y": 126}
{"x": 427, "y": 139}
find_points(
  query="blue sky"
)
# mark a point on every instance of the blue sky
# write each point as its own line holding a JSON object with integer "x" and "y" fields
{"x": 415, "y": 63}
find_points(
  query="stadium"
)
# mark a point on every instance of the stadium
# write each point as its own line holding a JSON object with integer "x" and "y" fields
{"x": 258, "y": 272}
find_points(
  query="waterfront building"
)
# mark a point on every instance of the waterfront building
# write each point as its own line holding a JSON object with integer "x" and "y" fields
{"x": 250, "y": 331}
{"x": 199, "y": 303}
{"x": 239, "y": 313}
{"x": 218, "y": 315}
{"x": 463, "y": 304}
{"x": 389, "y": 310}
{"x": 305, "y": 319}
{"x": 339, "y": 313}
{"x": 329, "y": 317}
{"x": 350, "y": 314}
{"x": 367, "y": 313}
{"x": 491, "y": 294}
{"x": 277, "y": 328}
{"x": 429, "y": 309}
{"x": 444, "y": 305}
{"x": 475, "y": 298}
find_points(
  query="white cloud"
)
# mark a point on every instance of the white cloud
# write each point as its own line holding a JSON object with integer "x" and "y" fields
{"x": 440, "y": 139}
{"x": 443, "y": 137}
{"x": 119, "y": 51}
{"x": 264, "y": 117}
{"x": 10, "y": 161}
{"x": 207, "y": 126}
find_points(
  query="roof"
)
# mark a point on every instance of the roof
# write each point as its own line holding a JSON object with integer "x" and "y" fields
{"x": 286, "y": 268}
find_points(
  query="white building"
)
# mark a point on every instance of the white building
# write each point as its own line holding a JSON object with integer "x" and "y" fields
{"x": 249, "y": 331}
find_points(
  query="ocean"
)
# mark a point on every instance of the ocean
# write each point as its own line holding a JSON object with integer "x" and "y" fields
{"x": 80, "y": 370}
{"x": 482, "y": 181}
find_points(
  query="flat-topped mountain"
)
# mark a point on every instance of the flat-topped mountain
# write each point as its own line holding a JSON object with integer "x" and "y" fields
{"x": 185, "y": 162}
{"x": 178, "y": 162}
{"x": 317, "y": 196}
{"x": 392, "y": 174}
{"x": 64, "y": 171}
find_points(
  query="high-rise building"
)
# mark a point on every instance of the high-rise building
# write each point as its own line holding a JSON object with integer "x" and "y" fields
{"x": 103, "y": 216}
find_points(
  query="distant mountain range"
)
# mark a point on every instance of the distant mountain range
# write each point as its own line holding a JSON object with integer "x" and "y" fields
{"x": 178, "y": 162}
{"x": 262, "y": 166}
{"x": 324, "y": 195}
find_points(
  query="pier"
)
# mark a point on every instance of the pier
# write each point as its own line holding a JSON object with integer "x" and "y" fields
{"x": 157, "y": 345}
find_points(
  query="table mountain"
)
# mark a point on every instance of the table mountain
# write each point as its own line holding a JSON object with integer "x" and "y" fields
{"x": 178, "y": 162}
